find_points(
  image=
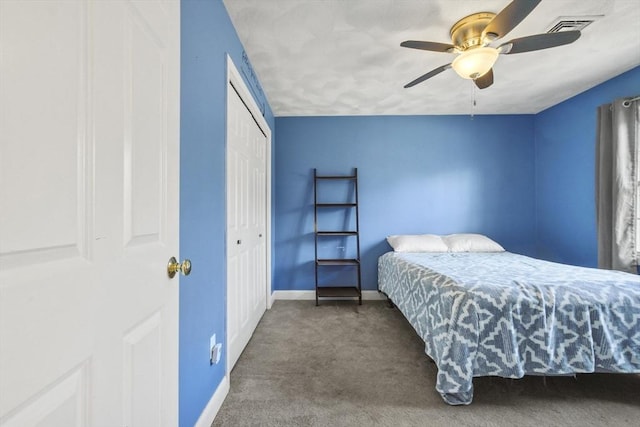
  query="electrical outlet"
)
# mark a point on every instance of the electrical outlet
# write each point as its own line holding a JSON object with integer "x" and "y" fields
{"x": 212, "y": 346}
{"x": 217, "y": 353}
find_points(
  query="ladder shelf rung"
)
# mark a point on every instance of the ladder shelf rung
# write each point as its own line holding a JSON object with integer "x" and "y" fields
{"x": 335, "y": 205}
{"x": 345, "y": 261}
{"x": 337, "y": 233}
{"x": 336, "y": 177}
{"x": 338, "y": 291}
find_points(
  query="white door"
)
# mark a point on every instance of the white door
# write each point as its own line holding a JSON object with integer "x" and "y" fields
{"x": 89, "y": 114}
{"x": 246, "y": 225}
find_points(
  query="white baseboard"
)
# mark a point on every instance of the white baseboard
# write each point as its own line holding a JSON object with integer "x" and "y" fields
{"x": 211, "y": 410}
{"x": 269, "y": 301}
{"x": 311, "y": 295}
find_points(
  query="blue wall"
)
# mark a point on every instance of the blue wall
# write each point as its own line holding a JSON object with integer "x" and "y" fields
{"x": 207, "y": 36}
{"x": 427, "y": 174}
{"x": 565, "y": 137}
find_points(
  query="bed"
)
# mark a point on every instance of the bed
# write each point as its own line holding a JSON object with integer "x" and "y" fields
{"x": 508, "y": 315}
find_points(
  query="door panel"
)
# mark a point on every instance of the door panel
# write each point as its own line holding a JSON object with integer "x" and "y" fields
{"x": 61, "y": 404}
{"x": 145, "y": 137}
{"x": 89, "y": 112}
{"x": 142, "y": 371}
{"x": 27, "y": 151}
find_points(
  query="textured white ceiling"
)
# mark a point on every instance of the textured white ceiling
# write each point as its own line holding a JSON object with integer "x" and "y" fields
{"x": 343, "y": 57}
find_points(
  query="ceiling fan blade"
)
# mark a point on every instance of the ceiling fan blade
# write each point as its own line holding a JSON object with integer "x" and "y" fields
{"x": 507, "y": 19}
{"x": 428, "y": 75}
{"x": 432, "y": 46}
{"x": 485, "y": 80}
{"x": 538, "y": 42}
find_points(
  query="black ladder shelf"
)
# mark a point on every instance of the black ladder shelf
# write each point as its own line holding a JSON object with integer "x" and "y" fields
{"x": 350, "y": 236}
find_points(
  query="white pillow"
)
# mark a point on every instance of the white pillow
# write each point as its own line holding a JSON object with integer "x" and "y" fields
{"x": 417, "y": 243}
{"x": 471, "y": 243}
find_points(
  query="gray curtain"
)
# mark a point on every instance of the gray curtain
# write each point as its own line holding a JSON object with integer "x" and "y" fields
{"x": 616, "y": 182}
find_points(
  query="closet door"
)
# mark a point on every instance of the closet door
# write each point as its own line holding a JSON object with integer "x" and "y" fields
{"x": 89, "y": 114}
{"x": 246, "y": 225}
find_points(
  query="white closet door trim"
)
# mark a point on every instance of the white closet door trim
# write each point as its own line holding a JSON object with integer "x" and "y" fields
{"x": 236, "y": 80}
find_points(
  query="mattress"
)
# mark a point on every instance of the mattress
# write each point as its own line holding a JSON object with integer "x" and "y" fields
{"x": 509, "y": 315}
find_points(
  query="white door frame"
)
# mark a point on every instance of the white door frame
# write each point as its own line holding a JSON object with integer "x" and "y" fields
{"x": 236, "y": 80}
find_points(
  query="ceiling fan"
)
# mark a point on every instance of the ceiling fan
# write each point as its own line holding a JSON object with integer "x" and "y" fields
{"x": 472, "y": 37}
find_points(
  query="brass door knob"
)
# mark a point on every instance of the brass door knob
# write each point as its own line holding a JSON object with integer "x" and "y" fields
{"x": 174, "y": 266}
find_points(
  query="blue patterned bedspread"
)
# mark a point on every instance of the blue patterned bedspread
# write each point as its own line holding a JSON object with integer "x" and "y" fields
{"x": 510, "y": 315}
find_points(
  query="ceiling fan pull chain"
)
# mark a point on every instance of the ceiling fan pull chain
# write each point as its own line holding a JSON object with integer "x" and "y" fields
{"x": 473, "y": 98}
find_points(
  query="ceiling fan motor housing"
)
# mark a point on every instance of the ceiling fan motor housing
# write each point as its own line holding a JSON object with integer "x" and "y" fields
{"x": 467, "y": 32}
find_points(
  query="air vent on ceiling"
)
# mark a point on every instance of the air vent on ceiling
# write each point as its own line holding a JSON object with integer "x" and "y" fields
{"x": 567, "y": 23}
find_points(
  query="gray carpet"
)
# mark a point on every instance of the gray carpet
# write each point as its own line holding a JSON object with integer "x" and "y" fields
{"x": 346, "y": 365}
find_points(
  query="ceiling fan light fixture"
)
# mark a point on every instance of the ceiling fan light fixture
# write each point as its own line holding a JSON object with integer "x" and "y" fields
{"x": 475, "y": 62}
